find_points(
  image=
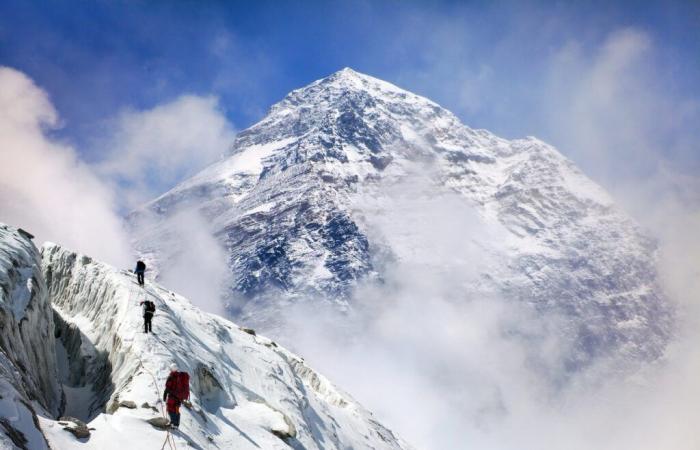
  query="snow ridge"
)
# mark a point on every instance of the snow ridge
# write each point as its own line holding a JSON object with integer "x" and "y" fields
{"x": 79, "y": 353}
{"x": 247, "y": 392}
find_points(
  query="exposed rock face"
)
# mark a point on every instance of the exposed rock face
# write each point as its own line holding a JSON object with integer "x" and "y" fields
{"x": 76, "y": 427}
{"x": 295, "y": 201}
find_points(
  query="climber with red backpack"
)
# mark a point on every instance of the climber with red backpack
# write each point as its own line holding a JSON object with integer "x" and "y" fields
{"x": 177, "y": 391}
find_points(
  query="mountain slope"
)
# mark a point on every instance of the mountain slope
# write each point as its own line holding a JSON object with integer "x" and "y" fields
{"x": 295, "y": 205}
{"x": 247, "y": 392}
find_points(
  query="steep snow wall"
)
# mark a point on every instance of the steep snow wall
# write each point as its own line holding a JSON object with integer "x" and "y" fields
{"x": 247, "y": 392}
{"x": 28, "y": 382}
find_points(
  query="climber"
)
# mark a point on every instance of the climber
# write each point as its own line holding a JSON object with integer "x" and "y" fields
{"x": 177, "y": 391}
{"x": 149, "y": 308}
{"x": 140, "y": 270}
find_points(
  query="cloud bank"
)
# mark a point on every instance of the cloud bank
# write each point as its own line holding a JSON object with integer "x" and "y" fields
{"x": 146, "y": 152}
{"x": 47, "y": 189}
{"x": 448, "y": 364}
{"x": 44, "y": 187}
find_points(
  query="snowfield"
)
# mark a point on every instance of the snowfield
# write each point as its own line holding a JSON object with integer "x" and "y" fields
{"x": 247, "y": 392}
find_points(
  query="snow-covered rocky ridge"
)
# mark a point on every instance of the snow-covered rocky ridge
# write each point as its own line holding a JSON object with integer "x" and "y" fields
{"x": 247, "y": 392}
{"x": 294, "y": 200}
{"x": 28, "y": 375}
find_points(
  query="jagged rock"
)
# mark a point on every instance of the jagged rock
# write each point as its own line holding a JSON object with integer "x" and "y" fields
{"x": 159, "y": 422}
{"x": 113, "y": 407}
{"x": 145, "y": 405}
{"x": 248, "y": 330}
{"x": 127, "y": 404}
{"x": 289, "y": 433}
{"x": 75, "y": 426}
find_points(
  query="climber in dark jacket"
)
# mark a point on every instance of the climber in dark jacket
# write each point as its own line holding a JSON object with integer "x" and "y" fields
{"x": 139, "y": 271}
{"x": 149, "y": 308}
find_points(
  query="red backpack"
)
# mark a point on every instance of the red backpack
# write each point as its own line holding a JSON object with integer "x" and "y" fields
{"x": 180, "y": 385}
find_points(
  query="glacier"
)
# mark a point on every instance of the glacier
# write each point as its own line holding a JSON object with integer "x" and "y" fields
{"x": 294, "y": 206}
{"x": 72, "y": 345}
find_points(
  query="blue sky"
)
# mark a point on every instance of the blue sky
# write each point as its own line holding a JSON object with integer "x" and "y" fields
{"x": 505, "y": 66}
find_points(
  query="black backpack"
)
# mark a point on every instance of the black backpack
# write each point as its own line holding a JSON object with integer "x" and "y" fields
{"x": 150, "y": 307}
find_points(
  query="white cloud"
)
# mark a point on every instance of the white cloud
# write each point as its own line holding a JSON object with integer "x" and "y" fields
{"x": 147, "y": 152}
{"x": 47, "y": 189}
{"x": 606, "y": 109}
{"x": 449, "y": 364}
{"x": 199, "y": 270}
{"x": 44, "y": 187}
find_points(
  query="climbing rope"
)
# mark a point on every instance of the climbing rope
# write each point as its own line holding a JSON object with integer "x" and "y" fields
{"x": 169, "y": 439}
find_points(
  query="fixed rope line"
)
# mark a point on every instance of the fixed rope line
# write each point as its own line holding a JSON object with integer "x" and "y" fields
{"x": 169, "y": 439}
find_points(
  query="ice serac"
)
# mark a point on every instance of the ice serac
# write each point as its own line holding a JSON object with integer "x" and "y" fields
{"x": 293, "y": 204}
{"x": 28, "y": 381}
{"x": 247, "y": 392}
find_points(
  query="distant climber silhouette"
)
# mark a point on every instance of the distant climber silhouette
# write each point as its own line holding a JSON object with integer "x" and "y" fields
{"x": 139, "y": 271}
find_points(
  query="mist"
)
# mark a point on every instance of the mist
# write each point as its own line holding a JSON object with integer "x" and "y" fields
{"x": 198, "y": 269}
{"x": 440, "y": 358}
{"x": 47, "y": 189}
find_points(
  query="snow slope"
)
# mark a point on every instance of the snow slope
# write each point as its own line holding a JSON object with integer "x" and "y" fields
{"x": 295, "y": 203}
{"x": 247, "y": 392}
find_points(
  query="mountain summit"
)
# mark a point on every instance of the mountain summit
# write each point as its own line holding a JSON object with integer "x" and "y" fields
{"x": 295, "y": 204}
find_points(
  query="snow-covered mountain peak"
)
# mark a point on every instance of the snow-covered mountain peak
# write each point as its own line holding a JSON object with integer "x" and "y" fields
{"x": 294, "y": 208}
{"x": 348, "y": 80}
